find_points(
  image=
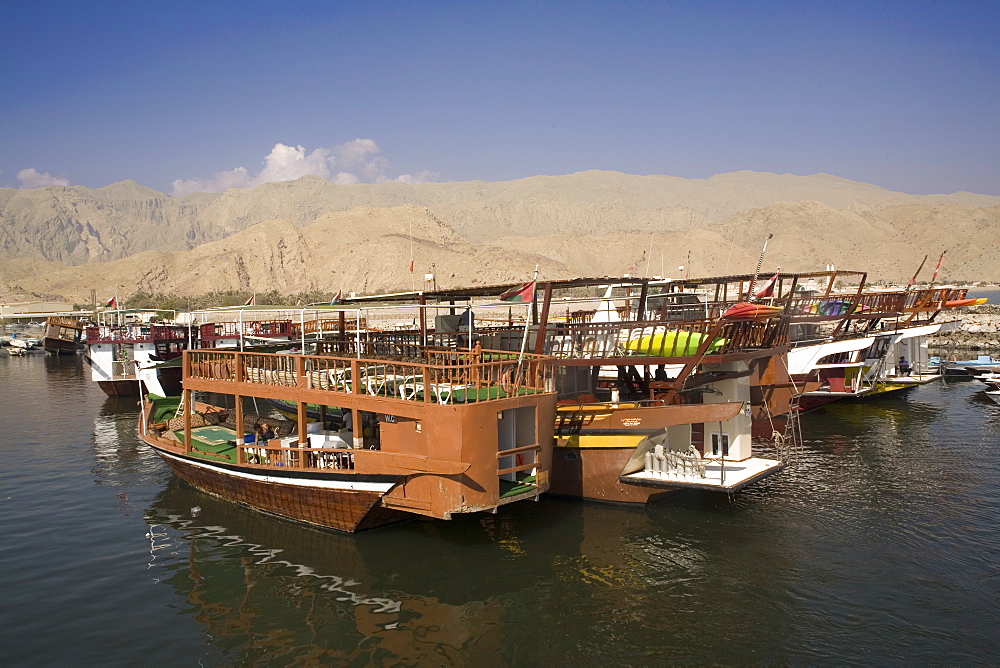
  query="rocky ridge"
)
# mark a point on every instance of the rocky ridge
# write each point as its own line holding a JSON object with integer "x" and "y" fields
{"x": 59, "y": 242}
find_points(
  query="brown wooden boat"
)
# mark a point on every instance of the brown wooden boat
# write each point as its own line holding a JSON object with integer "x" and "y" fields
{"x": 432, "y": 436}
{"x": 63, "y": 335}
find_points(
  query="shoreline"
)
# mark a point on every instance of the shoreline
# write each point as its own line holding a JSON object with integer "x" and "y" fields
{"x": 980, "y": 330}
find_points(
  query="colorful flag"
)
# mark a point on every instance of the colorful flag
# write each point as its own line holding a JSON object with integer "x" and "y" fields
{"x": 112, "y": 303}
{"x": 523, "y": 294}
{"x": 768, "y": 290}
{"x": 338, "y": 299}
{"x": 252, "y": 301}
{"x": 411, "y": 266}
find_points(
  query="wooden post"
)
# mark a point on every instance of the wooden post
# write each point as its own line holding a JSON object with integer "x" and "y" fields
{"x": 301, "y": 422}
{"x": 423, "y": 319}
{"x": 186, "y": 399}
{"x": 543, "y": 319}
{"x": 357, "y": 428}
{"x": 342, "y": 333}
{"x": 238, "y": 400}
{"x": 640, "y": 313}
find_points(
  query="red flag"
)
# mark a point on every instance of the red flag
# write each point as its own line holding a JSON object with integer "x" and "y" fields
{"x": 252, "y": 301}
{"x": 411, "y": 266}
{"x": 113, "y": 302}
{"x": 768, "y": 290}
{"x": 523, "y": 294}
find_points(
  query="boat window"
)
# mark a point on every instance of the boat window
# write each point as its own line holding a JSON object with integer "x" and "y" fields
{"x": 720, "y": 441}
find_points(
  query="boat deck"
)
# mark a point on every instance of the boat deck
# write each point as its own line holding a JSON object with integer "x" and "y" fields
{"x": 914, "y": 379}
{"x": 719, "y": 476}
{"x": 213, "y": 442}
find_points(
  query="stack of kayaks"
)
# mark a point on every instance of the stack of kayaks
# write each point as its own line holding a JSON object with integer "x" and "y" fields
{"x": 751, "y": 311}
{"x": 834, "y": 307}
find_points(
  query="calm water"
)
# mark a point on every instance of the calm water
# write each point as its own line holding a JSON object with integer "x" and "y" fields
{"x": 879, "y": 546}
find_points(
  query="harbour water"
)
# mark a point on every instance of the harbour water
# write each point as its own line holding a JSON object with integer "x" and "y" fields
{"x": 879, "y": 545}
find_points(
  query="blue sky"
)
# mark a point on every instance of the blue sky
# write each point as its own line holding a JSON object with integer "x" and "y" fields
{"x": 182, "y": 96}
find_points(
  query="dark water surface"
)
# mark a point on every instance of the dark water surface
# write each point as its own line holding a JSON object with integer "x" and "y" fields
{"x": 879, "y": 546}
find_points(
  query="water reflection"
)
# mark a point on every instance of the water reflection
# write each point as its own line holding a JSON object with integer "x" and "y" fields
{"x": 865, "y": 531}
{"x": 120, "y": 458}
{"x": 268, "y": 590}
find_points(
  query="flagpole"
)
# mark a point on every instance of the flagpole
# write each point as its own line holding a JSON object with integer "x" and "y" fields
{"x": 527, "y": 321}
{"x": 914, "y": 279}
{"x": 760, "y": 261}
{"x": 934, "y": 277}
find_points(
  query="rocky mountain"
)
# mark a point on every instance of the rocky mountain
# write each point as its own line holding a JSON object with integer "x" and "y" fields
{"x": 311, "y": 234}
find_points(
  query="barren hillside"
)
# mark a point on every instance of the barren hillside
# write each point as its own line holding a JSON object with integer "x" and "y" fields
{"x": 311, "y": 234}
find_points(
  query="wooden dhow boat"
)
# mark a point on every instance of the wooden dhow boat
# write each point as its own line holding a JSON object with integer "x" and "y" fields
{"x": 614, "y": 441}
{"x": 63, "y": 335}
{"x": 435, "y": 434}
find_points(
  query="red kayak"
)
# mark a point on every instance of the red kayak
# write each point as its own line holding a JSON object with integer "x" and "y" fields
{"x": 751, "y": 311}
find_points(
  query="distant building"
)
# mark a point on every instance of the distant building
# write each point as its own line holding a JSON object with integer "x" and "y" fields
{"x": 33, "y": 310}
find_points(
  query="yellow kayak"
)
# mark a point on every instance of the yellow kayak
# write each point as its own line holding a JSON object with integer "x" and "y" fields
{"x": 676, "y": 343}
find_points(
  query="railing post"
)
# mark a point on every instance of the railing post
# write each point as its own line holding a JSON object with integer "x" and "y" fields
{"x": 186, "y": 400}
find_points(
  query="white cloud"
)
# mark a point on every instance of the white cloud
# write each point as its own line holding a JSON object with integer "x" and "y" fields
{"x": 424, "y": 176}
{"x": 234, "y": 178}
{"x": 354, "y": 154}
{"x": 345, "y": 179}
{"x": 352, "y": 162}
{"x": 287, "y": 163}
{"x": 31, "y": 178}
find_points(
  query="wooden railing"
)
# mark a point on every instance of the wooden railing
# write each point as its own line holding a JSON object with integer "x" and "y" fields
{"x": 327, "y": 326}
{"x": 575, "y": 340}
{"x": 295, "y": 457}
{"x": 445, "y": 376}
{"x": 526, "y": 456}
{"x": 661, "y": 339}
{"x": 135, "y": 333}
{"x": 923, "y": 300}
{"x": 839, "y": 307}
{"x": 254, "y": 328}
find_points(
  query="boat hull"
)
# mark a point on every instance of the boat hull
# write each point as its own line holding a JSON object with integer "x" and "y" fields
{"x": 317, "y": 500}
{"x": 169, "y": 377}
{"x": 55, "y": 346}
{"x": 593, "y": 474}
